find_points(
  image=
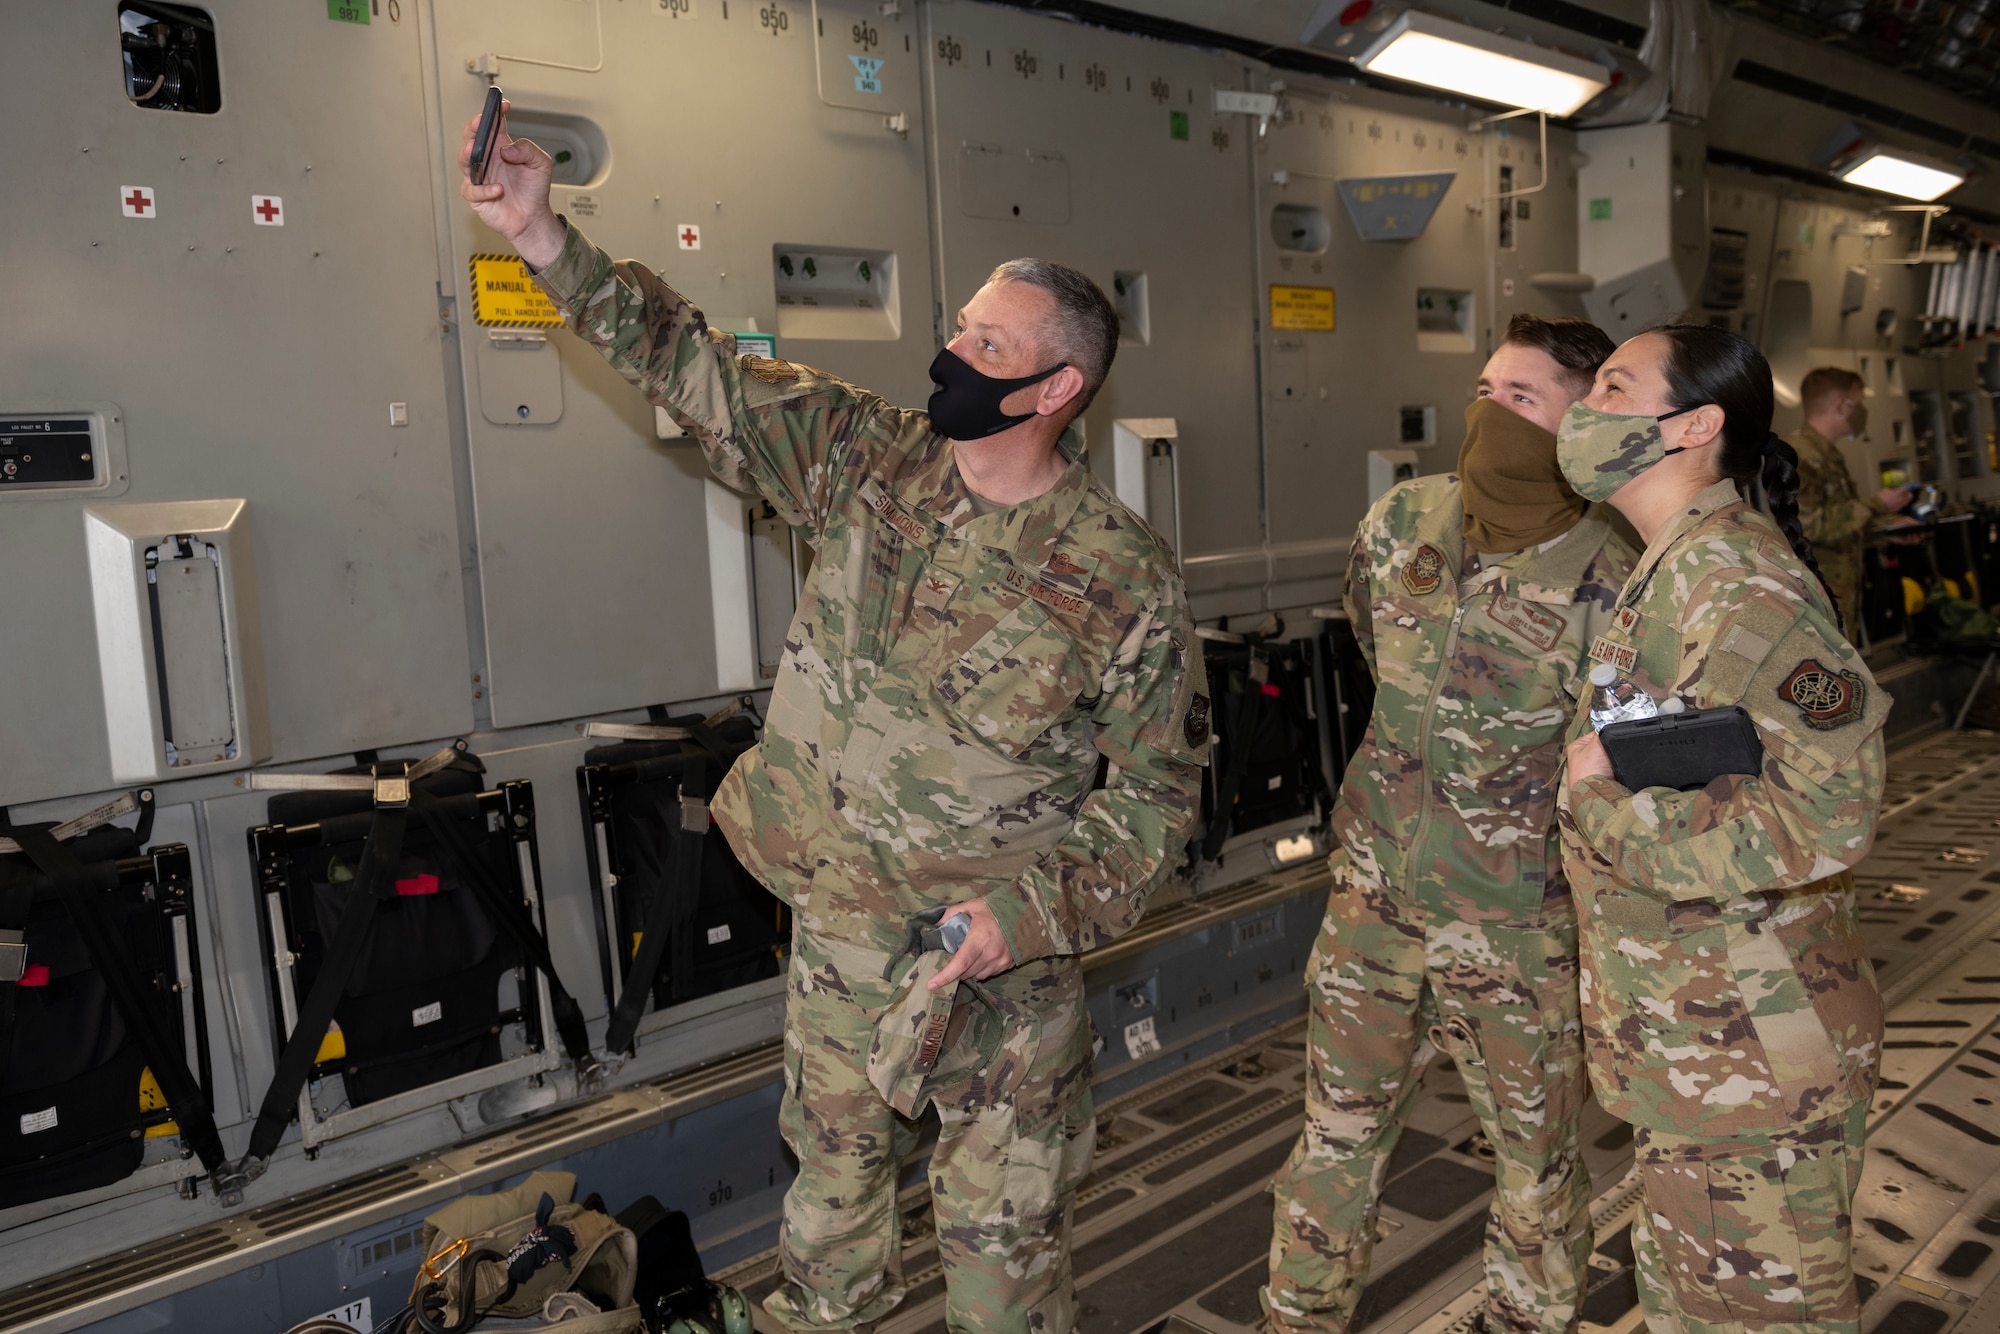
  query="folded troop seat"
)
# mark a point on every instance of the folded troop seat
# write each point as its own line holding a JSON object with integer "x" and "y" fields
{"x": 402, "y": 911}
{"x": 1268, "y": 773}
{"x": 104, "y": 1069}
{"x": 678, "y": 917}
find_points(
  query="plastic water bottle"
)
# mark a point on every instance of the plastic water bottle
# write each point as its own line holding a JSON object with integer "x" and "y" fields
{"x": 952, "y": 931}
{"x": 1617, "y": 700}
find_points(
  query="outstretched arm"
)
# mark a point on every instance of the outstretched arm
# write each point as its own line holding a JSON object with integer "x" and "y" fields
{"x": 765, "y": 426}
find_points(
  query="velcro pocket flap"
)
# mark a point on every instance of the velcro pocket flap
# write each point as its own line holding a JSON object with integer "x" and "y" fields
{"x": 1015, "y": 682}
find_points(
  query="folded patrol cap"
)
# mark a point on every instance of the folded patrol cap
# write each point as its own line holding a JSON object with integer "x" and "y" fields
{"x": 912, "y": 1035}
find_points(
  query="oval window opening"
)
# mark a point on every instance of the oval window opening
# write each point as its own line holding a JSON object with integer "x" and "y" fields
{"x": 1300, "y": 228}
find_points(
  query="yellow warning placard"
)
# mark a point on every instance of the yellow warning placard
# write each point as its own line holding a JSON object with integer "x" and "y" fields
{"x": 1302, "y": 308}
{"x": 504, "y": 295}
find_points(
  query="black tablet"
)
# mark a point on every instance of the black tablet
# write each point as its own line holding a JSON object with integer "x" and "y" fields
{"x": 1683, "y": 750}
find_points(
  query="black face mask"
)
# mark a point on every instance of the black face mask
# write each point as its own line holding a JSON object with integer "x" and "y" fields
{"x": 966, "y": 405}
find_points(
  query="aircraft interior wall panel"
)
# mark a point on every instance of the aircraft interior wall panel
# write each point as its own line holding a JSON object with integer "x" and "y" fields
{"x": 709, "y": 124}
{"x": 1332, "y": 396}
{"x": 1813, "y": 242}
{"x": 1969, "y": 416}
{"x": 246, "y": 361}
{"x": 1536, "y": 235}
{"x": 1816, "y": 242}
{"x": 1742, "y": 221}
{"x": 1793, "y": 234}
{"x": 1141, "y": 183}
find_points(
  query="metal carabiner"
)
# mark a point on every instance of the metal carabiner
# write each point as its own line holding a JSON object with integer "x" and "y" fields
{"x": 451, "y": 1255}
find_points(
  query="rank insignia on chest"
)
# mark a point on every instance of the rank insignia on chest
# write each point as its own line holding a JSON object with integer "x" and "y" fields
{"x": 1627, "y": 618}
{"x": 1622, "y": 656}
{"x": 1424, "y": 572}
{"x": 935, "y": 588}
{"x": 1826, "y": 699}
{"x": 1541, "y": 628}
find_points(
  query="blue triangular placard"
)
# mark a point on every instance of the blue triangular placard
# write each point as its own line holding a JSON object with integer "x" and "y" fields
{"x": 1394, "y": 208}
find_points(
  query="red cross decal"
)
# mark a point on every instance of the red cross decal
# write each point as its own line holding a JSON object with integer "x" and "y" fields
{"x": 139, "y": 202}
{"x": 689, "y": 236}
{"x": 267, "y": 208}
{"x": 136, "y": 201}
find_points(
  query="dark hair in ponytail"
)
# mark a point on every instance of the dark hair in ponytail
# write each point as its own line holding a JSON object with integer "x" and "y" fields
{"x": 1708, "y": 365}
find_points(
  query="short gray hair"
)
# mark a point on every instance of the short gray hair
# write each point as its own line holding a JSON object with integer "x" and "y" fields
{"x": 1084, "y": 329}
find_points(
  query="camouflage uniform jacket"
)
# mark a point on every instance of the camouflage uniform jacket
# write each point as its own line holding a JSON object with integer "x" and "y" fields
{"x": 949, "y": 681}
{"x": 1836, "y": 517}
{"x": 1451, "y": 797}
{"x": 1725, "y": 988}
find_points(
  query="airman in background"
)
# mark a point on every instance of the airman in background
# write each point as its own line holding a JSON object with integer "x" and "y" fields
{"x": 1836, "y": 517}
{"x": 1475, "y": 598}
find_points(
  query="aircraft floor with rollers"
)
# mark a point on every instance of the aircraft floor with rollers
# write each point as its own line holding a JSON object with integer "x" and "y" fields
{"x": 1173, "y": 1225}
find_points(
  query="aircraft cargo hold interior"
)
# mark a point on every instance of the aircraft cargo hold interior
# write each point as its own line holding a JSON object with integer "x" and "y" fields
{"x": 1156, "y": 666}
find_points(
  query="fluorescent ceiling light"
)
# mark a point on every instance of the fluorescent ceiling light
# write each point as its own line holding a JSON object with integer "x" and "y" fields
{"x": 1900, "y": 173}
{"x": 1439, "y": 53}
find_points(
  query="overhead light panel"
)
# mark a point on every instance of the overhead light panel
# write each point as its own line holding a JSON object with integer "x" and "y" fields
{"x": 1440, "y": 53}
{"x": 1896, "y": 172}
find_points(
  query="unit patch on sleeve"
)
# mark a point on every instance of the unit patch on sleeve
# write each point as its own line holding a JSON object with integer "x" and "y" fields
{"x": 1622, "y": 656}
{"x": 1195, "y": 725}
{"x": 1424, "y": 572}
{"x": 1826, "y": 699}
{"x": 769, "y": 370}
{"x": 1541, "y": 628}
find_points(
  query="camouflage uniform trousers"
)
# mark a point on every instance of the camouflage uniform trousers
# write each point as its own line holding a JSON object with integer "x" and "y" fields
{"x": 1751, "y": 1232}
{"x": 1002, "y": 1195}
{"x": 1390, "y": 984}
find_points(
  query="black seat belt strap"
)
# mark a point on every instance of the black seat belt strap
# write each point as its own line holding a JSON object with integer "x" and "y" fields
{"x": 167, "y": 1061}
{"x": 511, "y": 913}
{"x": 687, "y": 871}
{"x": 17, "y": 902}
{"x": 671, "y": 913}
{"x": 1243, "y": 720}
{"x": 373, "y": 880}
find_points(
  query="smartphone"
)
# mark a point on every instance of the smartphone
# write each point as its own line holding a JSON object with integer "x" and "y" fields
{"x": 482, "y": 140}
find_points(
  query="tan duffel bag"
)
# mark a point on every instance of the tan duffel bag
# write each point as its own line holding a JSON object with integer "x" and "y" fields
{"x": 525, "y": 1259}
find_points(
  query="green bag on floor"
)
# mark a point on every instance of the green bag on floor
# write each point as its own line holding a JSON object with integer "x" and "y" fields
{"x": 1961, "y": 623}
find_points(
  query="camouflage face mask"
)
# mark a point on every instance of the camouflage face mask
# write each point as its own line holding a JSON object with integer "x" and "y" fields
{"x": 1601, "y": 451}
